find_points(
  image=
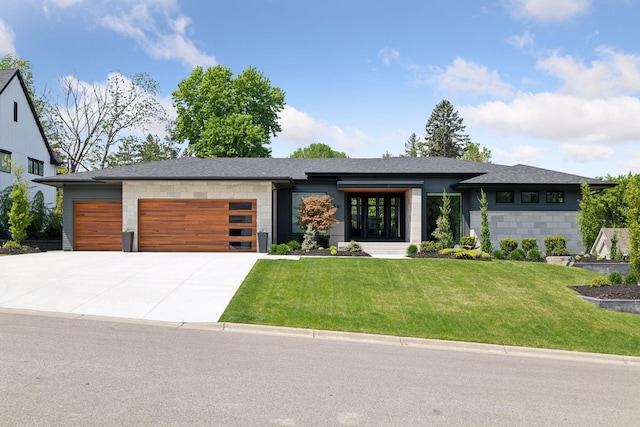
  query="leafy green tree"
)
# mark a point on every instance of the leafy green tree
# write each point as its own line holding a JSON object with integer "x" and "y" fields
{"x": 632, "y": 199}
{"x": 476, "y": 153}
{"x": 445, "y": 137}
{"x": 134, "y": 150}
{"x": 220, "y": 115}
{"x": 413, "y": 147}
{"x": 10, "y": 61}
{"x": 442, "y": 233}
{"x": 485, "y": 232}
{"x": 19, "y": 216}
{"x": 93, "y": 119}
{"x": 5, "y": 207}
{"x": 316, "y": 151}
{"x": 589, "y": 216}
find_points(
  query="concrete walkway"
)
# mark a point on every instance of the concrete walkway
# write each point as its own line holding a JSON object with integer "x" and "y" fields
{"x": 174, "y": 287}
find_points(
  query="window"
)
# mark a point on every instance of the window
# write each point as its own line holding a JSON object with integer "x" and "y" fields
{"x": 5, "y": 161}
{"x": 530, "y": 197}
{"x": 36, "y": 167}
{"x": 240, "y": 219}
{"x": 240, "y": 206}
{"x": 555, "y": 196}
{"x": 504, "y": 196}
{"x": 15, "y": 111}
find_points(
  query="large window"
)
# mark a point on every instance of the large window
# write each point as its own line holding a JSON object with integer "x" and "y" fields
{"x": 5, "y": 161}
{"x": 434, "y": 202}
{"x": 555, "y": 196}
{"x": 36, "y": 167}
{"x": 504, "y": 196}
{"x": 530, "y": 197}
{"x": 296, "y": 201}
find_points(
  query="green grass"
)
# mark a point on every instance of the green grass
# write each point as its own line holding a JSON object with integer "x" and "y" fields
{"x": 500, "y": 302}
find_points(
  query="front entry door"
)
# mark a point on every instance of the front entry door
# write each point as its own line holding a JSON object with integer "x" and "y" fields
{"x": 376, "y": 216}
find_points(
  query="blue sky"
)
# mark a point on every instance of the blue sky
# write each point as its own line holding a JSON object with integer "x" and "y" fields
{"x": 548, "y": 83}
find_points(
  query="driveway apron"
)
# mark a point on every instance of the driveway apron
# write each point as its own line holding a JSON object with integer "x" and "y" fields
{"x": 174, "y": 287}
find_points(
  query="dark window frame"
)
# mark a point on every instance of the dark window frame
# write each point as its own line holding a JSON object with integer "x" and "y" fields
{"x": 531, "y": 200}
{"x": 35, "y": 166}
{"x": 5, "y": 164}
{"x": 15, "y": 111}
{"x": 511, "y": 198}
{"x": 559, "y": 197}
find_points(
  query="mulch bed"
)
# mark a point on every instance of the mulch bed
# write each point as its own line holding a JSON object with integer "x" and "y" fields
{"x": 326, "y": 252}
{"x": 609, "y": 292}
{"x": 29, "y": 250}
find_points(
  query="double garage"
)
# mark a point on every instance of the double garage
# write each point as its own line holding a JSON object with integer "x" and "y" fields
{"x": 169, "y": 225}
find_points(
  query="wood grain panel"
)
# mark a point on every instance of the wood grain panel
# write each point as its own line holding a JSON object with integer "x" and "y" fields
{"x": 97, "y": 225}
{"x": 191, "y": 225}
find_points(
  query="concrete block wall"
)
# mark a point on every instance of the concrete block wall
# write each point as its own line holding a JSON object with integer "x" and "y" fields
{"x": 518, "y": 225}
{"x": 413, "y": 208}
{"x": 132, "y": 191}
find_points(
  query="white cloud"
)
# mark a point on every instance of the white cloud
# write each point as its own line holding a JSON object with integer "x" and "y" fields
{"x": 631, "y": 163}
{"x": 388, "y": 55}
{"x": 468, "y": 76}
{"x": 300, "y": 130}
{"x": 548, "y": 10}
{"x": 524, "y": 154}
{"x": 526, "y": 40}
{"x": 613, "y": 74}
{"x": 7, "y": 37}
{"x": 165, "y": 40}
{"x": 561, "y": 117}
{"x": 583, "y": 153}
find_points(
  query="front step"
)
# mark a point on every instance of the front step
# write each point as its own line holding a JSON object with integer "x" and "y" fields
{"x": 381, "y": 248}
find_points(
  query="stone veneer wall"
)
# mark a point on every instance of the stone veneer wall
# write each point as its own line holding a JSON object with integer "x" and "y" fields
{"x": 134, "y": 190}
{"x": 518, "y": 225}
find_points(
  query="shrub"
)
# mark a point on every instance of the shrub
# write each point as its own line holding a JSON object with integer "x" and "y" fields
{"x": 466, "y": 254}
{"x": 534, "y": 255}
{"x": 412, "y": 249}
{"x": 323, "y": 240}
{"x": 508, "y": 245}
{"x": 10, "y": 244}
{"x": 53, "y": 228}
{"x": 577, "y": 257}
{"x": 469, "y": 241}
{"x": 39, "y": 216}
{"x": 598, "y": 281}
{"x": 556, "y": 245}
{"x": 353, "y": 246}
{"x": 428, "y": 246}
{"x": 615, "y": 277}
{"x": 309, "y": 241}
{"x": 631, "y": 279}
{"x": 334, "y": 250}
{"x": 273, "y": 248}
{"x": 447, "y": 251}
{"x": 498, "y": 254}
{"x": 442, "y": 233}
{"x": 293, "y": 245}
{"x": 282, "y": 249}
{"x": 529, "y": 244}
{"x": 517, "y": 255}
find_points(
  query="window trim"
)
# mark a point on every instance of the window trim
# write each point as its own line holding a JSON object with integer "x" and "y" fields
{"x": 511, "y": 198}
{"x": 35, "y": 162}
{"x": 8, "y": 167}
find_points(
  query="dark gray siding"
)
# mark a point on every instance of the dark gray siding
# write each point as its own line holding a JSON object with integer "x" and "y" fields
{"x": 73, "y": 192}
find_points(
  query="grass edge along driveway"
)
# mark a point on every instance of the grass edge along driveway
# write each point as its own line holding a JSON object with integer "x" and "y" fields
{"x": 498, "y": 302}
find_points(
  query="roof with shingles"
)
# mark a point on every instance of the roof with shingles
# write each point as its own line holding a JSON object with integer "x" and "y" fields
{"x": 191, "y": 168}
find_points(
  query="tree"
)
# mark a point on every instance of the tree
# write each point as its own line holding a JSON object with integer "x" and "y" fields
{"x": 19, "y": 216}
{"x": 317, "y": 151}
{"x": 134, "y": 150}
{"x": 589, "y": 219}
{"x": 387, "y": 155}
{"x": 413, "y": 147}
{"x": 632, "y": 199}
{"x": 476, "y": 153}
{"x": 224, "y": 116}
{"x": 485, "y": 232}
{"x": 442, "y": 233}
{"x": 92, "y": 119}
{"x": 317, "y": 211}
{"x": 445, "y": 137}
{"x": 39, "y": 216}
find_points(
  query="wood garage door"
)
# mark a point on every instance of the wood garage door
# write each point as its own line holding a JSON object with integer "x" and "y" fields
{"x": 97, "y": 225}
{"x": 196, "y": 225}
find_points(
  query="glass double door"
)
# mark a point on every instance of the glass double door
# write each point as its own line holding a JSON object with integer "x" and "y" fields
{"x": 376, "y": 216}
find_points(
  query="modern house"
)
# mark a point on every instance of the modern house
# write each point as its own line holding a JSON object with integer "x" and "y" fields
{"x": 22, "y": 139}
{"x": 604, "y": 240}
{"x": 219, "y": 204}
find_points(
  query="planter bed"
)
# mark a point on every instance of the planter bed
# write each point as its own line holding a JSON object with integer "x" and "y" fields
{"x": 624, "y": 298}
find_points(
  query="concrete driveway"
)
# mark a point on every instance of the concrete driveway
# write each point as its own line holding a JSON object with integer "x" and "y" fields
{"x": 175, "y": 287}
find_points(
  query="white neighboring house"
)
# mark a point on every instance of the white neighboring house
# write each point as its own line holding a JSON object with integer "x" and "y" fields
{"x": 22, "y": 139}
{"x": 602, "y": 244}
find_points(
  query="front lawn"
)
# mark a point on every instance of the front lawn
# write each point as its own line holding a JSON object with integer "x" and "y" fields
{"x": 500, "y": 302}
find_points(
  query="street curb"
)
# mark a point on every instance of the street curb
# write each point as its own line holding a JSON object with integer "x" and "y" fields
{"x": 319, "y": 334}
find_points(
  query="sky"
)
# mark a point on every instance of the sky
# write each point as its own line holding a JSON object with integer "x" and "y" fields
{"x": 547, "y": 83}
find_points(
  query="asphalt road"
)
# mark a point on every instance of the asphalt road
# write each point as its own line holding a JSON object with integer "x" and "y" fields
{"x": 59, "y": 371}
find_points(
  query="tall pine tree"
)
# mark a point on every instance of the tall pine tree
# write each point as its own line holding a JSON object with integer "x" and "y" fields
{"x": 445, "y": 132}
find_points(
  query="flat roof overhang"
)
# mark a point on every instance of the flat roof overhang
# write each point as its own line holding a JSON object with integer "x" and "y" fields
{"x": 378, "y": 185}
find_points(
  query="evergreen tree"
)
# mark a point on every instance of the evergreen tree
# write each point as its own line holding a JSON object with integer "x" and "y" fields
{"x": 485, "y": 232}
{"x": 412, "y": 148}
{"x": 445, "y": 137}
{"x": 442, "y": 233}
{"x": 632, "y": 197}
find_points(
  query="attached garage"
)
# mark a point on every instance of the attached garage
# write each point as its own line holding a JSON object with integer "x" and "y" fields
{"x": 97, "y": 225}
{"x": 196, "y": 225}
